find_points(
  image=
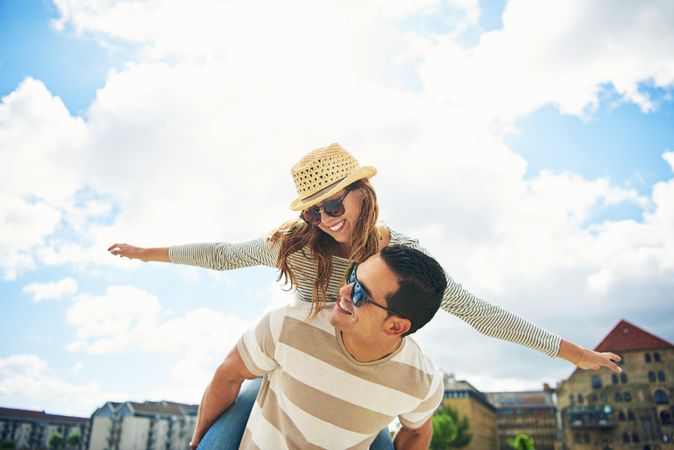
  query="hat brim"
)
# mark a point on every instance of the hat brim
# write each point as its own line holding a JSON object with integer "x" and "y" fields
{"x": 362, "y": 172}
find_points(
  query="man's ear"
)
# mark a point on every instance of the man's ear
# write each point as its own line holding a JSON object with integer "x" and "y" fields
{"x": 397, "y": 326}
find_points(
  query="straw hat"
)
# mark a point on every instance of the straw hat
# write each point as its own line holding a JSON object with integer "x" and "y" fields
{"x": 323, "y": 172}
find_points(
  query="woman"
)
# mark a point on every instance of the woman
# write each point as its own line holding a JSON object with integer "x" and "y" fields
{"x": 338, "y": 225}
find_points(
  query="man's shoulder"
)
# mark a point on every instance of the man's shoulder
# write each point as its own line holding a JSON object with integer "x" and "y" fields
{"x": 413, "y": 355}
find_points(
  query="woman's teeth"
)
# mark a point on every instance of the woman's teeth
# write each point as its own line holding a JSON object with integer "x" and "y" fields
{"x": 337, "y": 227}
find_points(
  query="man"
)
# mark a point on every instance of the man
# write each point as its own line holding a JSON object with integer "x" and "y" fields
{"x": 333, "y": 380}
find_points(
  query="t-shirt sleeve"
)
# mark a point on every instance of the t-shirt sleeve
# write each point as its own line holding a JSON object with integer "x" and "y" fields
{"x": 426, "y": 408}
{"x": 490, "y": 320}
{"x": 257, "y": 346}
{"x": 226, "y": 256}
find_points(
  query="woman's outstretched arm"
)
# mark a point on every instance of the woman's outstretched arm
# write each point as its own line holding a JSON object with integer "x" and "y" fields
{"x": 160, "y": 254}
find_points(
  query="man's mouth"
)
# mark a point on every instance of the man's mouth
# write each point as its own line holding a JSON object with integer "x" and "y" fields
{"x": 344, "y": 306}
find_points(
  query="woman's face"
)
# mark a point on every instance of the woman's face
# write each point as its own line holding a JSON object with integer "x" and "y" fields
{"x": 341, "y": 228}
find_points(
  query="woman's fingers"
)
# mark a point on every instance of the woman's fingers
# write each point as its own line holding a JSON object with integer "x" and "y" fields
{"x": 122, "y": 250}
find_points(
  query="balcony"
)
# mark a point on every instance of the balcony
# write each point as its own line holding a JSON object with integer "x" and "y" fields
{"x": 590, "y": 417}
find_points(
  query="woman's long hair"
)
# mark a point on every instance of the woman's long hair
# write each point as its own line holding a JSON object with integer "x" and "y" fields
{"x": 298, "y": 236}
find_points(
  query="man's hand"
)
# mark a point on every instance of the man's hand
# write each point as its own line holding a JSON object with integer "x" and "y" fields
{"x": 414, "y": 438}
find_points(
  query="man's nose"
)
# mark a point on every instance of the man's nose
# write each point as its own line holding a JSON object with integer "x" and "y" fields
{"x": 346, "y": 291}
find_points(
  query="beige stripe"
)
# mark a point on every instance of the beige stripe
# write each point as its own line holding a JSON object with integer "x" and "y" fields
{"x": 247, "y": 359}
{"x": 271, "y": 410}
{"x": 331, "y": 409}
{"x": 391, "y": 374}
{"x": 432, "y": 402}
{"x": 264, "y": 337}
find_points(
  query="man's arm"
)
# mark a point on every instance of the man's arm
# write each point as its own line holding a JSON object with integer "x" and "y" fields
{"x": 220, "y": 393}
{"x": 414, "y": 438}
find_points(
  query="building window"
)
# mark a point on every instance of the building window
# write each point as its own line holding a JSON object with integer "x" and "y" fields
{"x": 627, "y": 397}
{"x": 621, "y": 416}
{"x": 656, "y": 356}
{"x": 661, "y": 376}
{"x": 623, "y": 377}
{"x": 618, "y": 397}
{"x": 665, "y": 438}
{"x": 614, "y": 379}
{"x": 626, "y": 437}
{"x": 586, "y": 438}
{"x": 596, "y": 382}
{"x": 647, "y": 357}
{"x": 603, "y": 396}
{"x": 635, "y": 437}
{"x": 661, "y": 397}
{"x": 630, "y": 415}
{"x": 651, "y": 376}
{"x": 580, "y": 398}
{"x": 577, "y": 438}
{"x": 572, "y": 400}
{"x": 665, "y": 418}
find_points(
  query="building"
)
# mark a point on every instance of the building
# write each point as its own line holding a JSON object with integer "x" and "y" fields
{"x": 32, "y": 429}
{"x": 632, "y": 410}
{"x": 531, "y": 412}
{"x": 142, "y": 426}
{"x": 470, "y": 402}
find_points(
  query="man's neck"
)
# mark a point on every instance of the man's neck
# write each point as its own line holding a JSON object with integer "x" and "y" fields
{"x": 368, "y": 350}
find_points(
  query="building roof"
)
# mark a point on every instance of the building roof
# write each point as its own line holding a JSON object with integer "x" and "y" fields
{"x": 454, "y": 385}
{"x": 626, "y": 336}
{"x": 522, "y": 400}
{"x": 31, "y": 415}
{"x": 162, "y": 408}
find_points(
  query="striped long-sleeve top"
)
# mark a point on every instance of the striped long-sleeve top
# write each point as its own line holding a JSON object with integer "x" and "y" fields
{"x": 488, "y": 319}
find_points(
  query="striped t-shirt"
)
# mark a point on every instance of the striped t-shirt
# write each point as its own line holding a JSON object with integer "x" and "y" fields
{"x": 316, "y": 395}
{"x": 488, "y": 319}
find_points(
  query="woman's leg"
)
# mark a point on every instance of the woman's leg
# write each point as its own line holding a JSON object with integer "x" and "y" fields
{"x": 227, "y": 430}
{"x": 383, "y": 441}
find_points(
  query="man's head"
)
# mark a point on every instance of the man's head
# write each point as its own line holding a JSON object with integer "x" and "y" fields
{"x": 399, "y": 290}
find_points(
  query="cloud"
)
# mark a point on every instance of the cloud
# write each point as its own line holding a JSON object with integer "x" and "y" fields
{"x": 51, "y": 291}
{"x": 199, "y": 149}
{"x": 114, "y": 321}
{"x": 30, "y": 380}
{"x": 563, "y": 53}
{"x": 126, "y": 318}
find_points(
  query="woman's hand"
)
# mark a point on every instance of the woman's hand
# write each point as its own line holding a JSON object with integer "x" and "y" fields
{"x": 127, "y": 251}
{"x": 591, "y": 360}
{"x": 144, "y": 254}
{"x": 587, "y": 359}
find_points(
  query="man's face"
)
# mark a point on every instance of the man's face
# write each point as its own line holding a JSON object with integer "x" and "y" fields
{"x": 378, "y": 281}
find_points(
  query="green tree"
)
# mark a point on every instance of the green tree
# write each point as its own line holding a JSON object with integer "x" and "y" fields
{"x": 522, "y": 442}
{"x": 449, "y": 431}
{"x": 8, "y": 444}
{"x": 57, "y": 441}
{"x": 73, "y": 440}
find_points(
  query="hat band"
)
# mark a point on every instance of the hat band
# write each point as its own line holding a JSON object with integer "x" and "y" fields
{"x": 316, "y": 194}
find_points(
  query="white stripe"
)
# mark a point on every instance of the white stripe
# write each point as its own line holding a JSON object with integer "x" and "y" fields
{"x": 364, "y": 393}
{"x": 261, "y": 360}
{"x": 263, "y": 433}
{"x": 316, "y": 431}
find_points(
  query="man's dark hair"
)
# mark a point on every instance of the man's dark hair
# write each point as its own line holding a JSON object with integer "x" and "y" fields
{"x": 422, "y": 284}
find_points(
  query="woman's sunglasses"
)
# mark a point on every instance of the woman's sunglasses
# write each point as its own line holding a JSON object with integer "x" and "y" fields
{"x": 333, "y": 208}
{"x": 359, "y": 297}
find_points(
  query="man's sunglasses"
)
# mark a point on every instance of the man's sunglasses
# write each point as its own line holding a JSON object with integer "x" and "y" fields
{"x": 358, "y": 297}
{"x": 333, "y": 208}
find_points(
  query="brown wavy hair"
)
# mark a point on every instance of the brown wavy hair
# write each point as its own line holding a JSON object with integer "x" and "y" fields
{"x": 298, "y": 236}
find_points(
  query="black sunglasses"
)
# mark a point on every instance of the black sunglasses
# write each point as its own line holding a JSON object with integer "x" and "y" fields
{"x": 359, "y": 297}
{"x": 333, "y": 208}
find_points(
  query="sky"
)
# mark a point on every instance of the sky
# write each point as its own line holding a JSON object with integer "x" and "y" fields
{"x": 528, "y": 145}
